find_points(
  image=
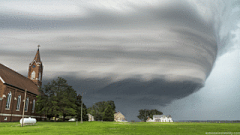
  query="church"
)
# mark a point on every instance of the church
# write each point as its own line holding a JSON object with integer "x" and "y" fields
{"x": 12, "y": 91}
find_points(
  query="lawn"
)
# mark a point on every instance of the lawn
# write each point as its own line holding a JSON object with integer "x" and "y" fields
{"x": 115, "y": 128}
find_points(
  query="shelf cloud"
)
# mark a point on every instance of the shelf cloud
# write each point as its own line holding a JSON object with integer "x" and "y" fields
{"x": 145, "y": 52}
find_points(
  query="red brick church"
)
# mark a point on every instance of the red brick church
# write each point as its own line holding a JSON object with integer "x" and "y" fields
{"x": 12, "y": 91}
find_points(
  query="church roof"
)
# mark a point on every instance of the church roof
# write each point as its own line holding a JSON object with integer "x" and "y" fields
{"x": 11, "y": 77}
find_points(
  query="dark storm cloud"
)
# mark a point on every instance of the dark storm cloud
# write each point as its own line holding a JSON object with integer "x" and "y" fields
{"x": 155, "y": 92}
{"x": 127, "y": 92}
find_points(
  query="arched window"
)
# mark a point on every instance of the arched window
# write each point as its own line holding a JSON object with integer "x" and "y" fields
{"x": 18, "y": 103}
{"x": 33, "y": 107}
{"x": 33, "y": 75}
{"x": 26, "y": 105}
{"x": 8, "y": 100}
{"x": 40, "y": 76}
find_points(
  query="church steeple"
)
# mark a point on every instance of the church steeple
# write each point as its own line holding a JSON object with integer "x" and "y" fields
{"x": 36, "y": 69}
{"x": 37, "y": 56}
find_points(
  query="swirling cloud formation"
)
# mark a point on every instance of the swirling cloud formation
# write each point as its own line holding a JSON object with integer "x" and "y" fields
{"x": 144, "y": 52}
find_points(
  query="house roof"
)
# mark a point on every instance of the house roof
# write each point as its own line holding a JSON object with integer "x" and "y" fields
{"x": 159, "y": 116}
{"x": 118, "y": 114}
{"x": 11, "y": 77}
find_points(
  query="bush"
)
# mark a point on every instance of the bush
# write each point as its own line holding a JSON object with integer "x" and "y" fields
{"x": 60, "y": 120}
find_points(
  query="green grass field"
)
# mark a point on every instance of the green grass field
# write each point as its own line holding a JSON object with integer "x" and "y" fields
{"x": 116, "y": 128}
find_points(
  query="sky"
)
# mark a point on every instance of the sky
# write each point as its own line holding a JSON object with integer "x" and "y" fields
{"x": 180, "y": 57}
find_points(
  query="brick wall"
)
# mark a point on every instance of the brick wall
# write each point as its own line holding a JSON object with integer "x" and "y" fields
{"x": 12, "y": 114}
{"x": 1, "y": 89}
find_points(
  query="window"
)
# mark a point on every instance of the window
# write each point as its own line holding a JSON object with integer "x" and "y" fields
{"x": 26, "y": 105}
{"x": 8, "y": 100}
{"x": 33, "y": 107}
{"x": 40, "y": 76}
{"x": 33, "y": 75}
{"x": 18, "y": 103}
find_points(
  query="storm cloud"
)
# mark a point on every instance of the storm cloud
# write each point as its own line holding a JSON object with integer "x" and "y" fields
{"x": 136, "y": 53}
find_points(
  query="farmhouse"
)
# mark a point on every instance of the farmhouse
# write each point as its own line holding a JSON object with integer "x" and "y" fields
{"x": 12, "y": 91}
{"x": 119, "y": 117}
{"x": 90, "y": 117}
{"x": 160, "y": 118}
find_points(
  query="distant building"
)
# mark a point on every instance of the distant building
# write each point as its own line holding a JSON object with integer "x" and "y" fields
{"x": 72, "y": 119}
{"x": 119, "y": 117}
{"x": 160, "y": 118}
{"x": 12, "y": 91}
{"x": 90, "y": 117}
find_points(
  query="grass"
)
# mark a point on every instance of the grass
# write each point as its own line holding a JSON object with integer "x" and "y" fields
{"x": 116, "y": 128}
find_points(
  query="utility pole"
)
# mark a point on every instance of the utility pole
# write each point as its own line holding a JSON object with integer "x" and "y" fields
{"x": 81, "y": 106}
{"x": 24, "y": 101}
{"x": 145, "y": 114}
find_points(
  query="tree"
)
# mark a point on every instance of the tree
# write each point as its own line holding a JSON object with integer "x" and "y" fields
{"x": 57, "y": 98}
{"x": 108, "y": 114}
{"x": 144, "y": 114}
{"x": 66, "y": 98}
{"x": 98, "y": 109}
{"x": 111, "y": 103}
{"x": 78, "y": 109}
{"x": 44, "y": 101}
{"x": 154, "y": 112}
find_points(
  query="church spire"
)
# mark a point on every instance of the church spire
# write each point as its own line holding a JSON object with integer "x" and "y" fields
{"x": 37, "y": 56}
{"x": 36, "y": 69}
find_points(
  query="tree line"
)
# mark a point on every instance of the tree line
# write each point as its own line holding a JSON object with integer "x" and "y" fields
{"x": 57, "y": 98}
{"x": 144, "y": 114}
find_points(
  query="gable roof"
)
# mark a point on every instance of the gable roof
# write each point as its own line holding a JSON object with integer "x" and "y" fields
{"x": 118, "y": 113}
{"x": 158, "y": 116}
{"x": 11, "y": 77}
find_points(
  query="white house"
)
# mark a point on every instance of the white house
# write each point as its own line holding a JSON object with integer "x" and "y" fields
{"x": 90, "y": 117}
{"x": 160, "y": 118}
{"x": 119, "y": 117}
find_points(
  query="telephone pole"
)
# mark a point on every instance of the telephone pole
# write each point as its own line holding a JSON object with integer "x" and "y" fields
{"x": 24, "y": 101}
{"x": 81, "y": 106}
